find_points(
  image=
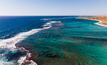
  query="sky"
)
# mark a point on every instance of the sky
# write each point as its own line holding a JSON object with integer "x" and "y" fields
{"x": 53, "y": 7}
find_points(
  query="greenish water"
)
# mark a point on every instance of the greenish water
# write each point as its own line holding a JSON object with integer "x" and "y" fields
{"x": 76, "y": 42}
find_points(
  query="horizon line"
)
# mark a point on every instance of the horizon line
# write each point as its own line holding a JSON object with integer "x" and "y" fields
{"x": 53, "y": 15}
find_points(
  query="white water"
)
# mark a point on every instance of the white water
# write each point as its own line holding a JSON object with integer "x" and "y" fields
{"x": 100, "y": 23}
{"x": 11, "y": 42}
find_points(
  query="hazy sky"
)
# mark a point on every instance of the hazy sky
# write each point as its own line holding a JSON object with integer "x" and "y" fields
{"x": 53, "y": 7}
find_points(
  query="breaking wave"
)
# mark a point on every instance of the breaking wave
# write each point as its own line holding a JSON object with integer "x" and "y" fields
{"x": 10, "y": 54}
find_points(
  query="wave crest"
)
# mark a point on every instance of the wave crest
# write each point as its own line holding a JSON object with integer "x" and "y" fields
{"x": 10, "y": 44}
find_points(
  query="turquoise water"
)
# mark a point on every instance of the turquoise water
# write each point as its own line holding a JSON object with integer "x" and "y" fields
{"x": 69, "y": 41}
{"x": 76, "y": 42}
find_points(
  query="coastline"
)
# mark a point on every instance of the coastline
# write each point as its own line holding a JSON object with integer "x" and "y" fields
{"x": 101, "y": 21}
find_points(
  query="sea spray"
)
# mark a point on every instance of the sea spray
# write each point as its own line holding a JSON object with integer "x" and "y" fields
{"x": 10, "y": 44}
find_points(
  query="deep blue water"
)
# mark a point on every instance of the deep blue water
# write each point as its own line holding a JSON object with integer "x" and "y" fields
{"x": 10, "y": 26}
{"x": 74, "y": 42}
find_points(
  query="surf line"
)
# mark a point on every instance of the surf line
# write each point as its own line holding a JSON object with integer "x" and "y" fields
{"x": 100, "y": 23}
{"x": 11, "y": 42}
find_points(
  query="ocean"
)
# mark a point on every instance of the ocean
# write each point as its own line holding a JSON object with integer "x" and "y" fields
{"x": 52, "y": 40}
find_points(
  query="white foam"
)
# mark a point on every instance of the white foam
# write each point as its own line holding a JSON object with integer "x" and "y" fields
{"x": 49, "y": 24}
{"x": 10, "y": 43}
{"x": 21, "y": 59}
{"x": 100, "y": 23}
{"x": 32, "y": 62}
{"x": 6, "y": 63}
